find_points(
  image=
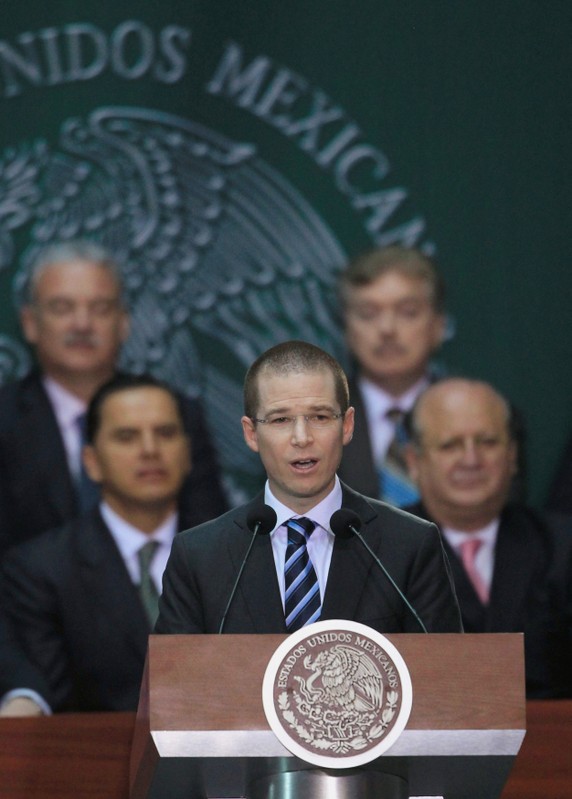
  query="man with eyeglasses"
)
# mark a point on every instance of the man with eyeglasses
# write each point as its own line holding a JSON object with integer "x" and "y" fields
{"x": 512, "y": 566}
{"x": 298, "y": 419}
{"x": 73, "y": 316}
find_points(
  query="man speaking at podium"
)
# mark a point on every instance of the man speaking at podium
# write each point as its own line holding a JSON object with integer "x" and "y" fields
{"x": 286, "y": 558}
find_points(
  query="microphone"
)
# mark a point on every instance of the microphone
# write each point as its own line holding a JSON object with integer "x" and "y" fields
{"x": 345, "y": 523}
{"x": 260, "y": 521}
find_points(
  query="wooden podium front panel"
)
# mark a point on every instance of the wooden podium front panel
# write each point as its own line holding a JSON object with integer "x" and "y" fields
{"x": 212, "y": 682}
{"x": 208, "y": 682}
{"x": 201, "y": 729}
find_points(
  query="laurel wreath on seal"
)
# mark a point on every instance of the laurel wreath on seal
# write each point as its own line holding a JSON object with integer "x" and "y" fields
{"x": 341, "y": 747}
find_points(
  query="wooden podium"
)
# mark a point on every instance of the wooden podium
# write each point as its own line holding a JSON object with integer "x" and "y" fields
{"x": 201, "y": 730}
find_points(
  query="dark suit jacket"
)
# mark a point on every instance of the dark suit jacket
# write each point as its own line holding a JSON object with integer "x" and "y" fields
{"x": 531, "y": 592}
{"x": 357, "y": 468}
{"x": 36, "y": 488}
{"x": 78, "y": 615}
{"x": 16, "y": 671}
{"x": 205, "y": 561}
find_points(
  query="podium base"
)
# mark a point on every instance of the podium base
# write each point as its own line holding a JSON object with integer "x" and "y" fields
{"x": 328, "y": 784}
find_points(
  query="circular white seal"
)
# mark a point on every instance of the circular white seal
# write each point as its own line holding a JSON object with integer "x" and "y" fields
{"x": 337, "y": 694}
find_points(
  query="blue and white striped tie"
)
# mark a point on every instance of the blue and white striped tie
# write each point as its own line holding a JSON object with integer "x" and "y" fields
{"x": 302, "y": 593}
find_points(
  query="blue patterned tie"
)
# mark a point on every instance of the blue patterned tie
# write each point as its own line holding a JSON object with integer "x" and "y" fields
{"x": 397, "y": 487}
{"x": 302, "y": 592}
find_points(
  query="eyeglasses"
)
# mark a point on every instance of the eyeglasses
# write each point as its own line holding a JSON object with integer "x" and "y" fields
{"x": 318, "y": 421}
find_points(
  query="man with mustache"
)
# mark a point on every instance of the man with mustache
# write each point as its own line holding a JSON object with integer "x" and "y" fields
{"x": 74, "y": 318}
{"x": 393, "y": 302}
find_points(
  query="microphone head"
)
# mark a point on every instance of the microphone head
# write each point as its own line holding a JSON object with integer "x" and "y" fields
{"x": 342, "y": 522}
{"x": 264, "y": 517}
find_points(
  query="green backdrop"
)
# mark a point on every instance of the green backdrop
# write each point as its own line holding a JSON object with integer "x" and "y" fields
{"x": 234, "y": 154}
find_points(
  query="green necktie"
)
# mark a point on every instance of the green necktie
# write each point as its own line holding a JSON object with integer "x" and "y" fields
{"x": 147, "y": 589}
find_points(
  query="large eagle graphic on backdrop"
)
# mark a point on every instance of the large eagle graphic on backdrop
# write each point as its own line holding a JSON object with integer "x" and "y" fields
{"x": 221, "y": 256}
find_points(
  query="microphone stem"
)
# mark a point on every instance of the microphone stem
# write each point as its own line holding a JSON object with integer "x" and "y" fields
{"x": 389, "y": 577}
{"x": 239, "y": 575}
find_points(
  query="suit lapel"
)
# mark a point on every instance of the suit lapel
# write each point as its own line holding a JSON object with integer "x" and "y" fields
{"x": 517, "y": 552}
{"x": 107, "y": 583}
{"x": 472, "y": 609}
{"x": 357, "y": 464}
{"x": 351, "y": 563}
{"x": 41, "y": 435}
{"x": 258, "y": 589}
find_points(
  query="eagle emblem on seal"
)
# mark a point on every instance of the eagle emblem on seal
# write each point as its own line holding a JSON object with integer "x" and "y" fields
{"x": 221, "y": 256}
{"x": 342, "y": 704}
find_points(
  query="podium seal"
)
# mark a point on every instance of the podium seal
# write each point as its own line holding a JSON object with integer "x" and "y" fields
{"x": 337, "y": 694}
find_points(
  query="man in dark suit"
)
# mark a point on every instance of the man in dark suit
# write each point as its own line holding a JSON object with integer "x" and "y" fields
{"x": 298, "y": 418}
{"x": 512, "y": 567}
{"x": 74, "y": 318}
{"x": 393, "y": 303}
{"x": 83, "y": 598}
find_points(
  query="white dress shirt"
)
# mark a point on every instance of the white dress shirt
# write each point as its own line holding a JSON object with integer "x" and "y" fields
{"x": 377, "y": 403}
{"x": 320, "y": 543}
{"x": 67, "y": 407}
{"x": 485, "y": 557}
{"x": 129, "y": 541}
{"x": 26, "y": 693}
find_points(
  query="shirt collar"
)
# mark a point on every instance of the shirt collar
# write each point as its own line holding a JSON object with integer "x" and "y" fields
{"x": 378, "y": 402}
{"x": 320, "y": 514}
{"x": 67, "y": 407}
{"x": 487, "y": 534}
{"x": 129, "y": 539}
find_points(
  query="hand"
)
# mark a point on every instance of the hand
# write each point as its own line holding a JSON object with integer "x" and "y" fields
{"x": 20, "y": 706}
